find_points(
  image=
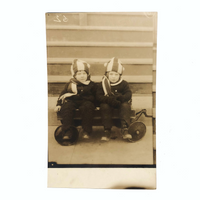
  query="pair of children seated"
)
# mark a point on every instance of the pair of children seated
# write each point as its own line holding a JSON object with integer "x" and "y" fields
{"x": 81, "y": 93}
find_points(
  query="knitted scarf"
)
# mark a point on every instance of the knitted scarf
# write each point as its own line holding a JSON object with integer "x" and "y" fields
{"x": 107, "y": 85}
{"x": 72, "y": 88}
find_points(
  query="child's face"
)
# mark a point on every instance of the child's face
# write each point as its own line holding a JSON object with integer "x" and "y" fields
{"x": 113, "y": 77}
{"x": 81, "y": 76}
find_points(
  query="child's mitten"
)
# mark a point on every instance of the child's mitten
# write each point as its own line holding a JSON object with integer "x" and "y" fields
{"x": 115, "y": 103}
{"x": 120, "y": 98}
{"x": 110, "y": 99}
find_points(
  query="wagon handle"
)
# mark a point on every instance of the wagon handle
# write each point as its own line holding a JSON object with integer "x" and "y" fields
{"x": 138, "y": 114}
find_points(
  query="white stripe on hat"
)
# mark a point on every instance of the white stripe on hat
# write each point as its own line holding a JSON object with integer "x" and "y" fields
{"x": 80, "y": 66}
{"x": 72, "y": 71}
{"x": 110, "y": 64}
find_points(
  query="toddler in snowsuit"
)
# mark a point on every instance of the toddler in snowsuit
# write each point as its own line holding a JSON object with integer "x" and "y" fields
{"x": 114, "y": 92}
{"x": 79, "y": 93}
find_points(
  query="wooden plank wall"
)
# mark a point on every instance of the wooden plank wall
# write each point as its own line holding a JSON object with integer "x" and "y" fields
{"x": 97, "y": 37}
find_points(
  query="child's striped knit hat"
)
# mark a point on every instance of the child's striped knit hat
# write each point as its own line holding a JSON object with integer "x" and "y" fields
{"x": 114, "y": 65}
{"x": 78, "y": 65}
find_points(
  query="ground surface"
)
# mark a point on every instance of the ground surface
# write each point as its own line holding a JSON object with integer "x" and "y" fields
{"x": 94, "y": 151}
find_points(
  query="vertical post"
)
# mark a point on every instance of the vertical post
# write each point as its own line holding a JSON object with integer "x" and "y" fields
{"x": 154, "y": 40}
{"x": 154, "y": 57}
{"x": 83, "y": 19}
{"x": 154, "y": 77}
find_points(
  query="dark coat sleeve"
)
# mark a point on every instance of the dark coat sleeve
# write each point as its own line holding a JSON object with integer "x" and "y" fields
{"x": 123, "y": 93}
{"x": 100, "y": 94}
{"x": 85, "y": 92}
{"x": 59, "y": 102}
{"x": 127, "y": 94}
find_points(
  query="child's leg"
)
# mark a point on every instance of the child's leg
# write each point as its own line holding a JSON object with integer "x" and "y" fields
{"x": 67, "y": 113}
{"x": 106, "y": 116}
{"x": 125, "y": 114}
{"x": 87, "y": 113}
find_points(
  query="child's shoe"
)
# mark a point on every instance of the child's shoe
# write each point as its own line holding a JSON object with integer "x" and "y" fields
{"x": 125, "y": 134}
{"x": 106, "y": 135}
{"x": 85, "y": 135}
{"x": 67, "y": 135}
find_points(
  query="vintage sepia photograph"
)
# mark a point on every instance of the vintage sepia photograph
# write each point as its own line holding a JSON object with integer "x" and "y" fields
{"x": 100, "y": 99}
{"x": 101, "y": 90}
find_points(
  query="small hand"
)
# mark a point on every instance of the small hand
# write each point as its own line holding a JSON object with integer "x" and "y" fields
{"x": 63, "y": 96}
{"x": 57, "y": 108}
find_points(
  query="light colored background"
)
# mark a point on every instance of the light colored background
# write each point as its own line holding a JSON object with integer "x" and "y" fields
{"x": 24, "y": 92}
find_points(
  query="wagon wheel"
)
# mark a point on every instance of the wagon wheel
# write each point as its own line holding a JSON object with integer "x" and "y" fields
{"x": 58, "y": 134}
{"x": 137, "y": 130}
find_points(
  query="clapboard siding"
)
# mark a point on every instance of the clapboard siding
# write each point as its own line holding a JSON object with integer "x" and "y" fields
{"x": 83, "y": 19}
{"x": 99, "y": 19}
{"x": 68, "y": 60}
{"x": 98, "y": 44}
{"x": 99, "y": 35}
{"x": 99, "y": 28}
{"x": 131, "y": 79}
{"x": 54, "y": 89}
{"x": 142, "y": 101}
{"x": 118, "y": 20}
{"x": 99, "y": 69}
{"x": 131, "y": 14}
{"x": 100, "y": 52}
